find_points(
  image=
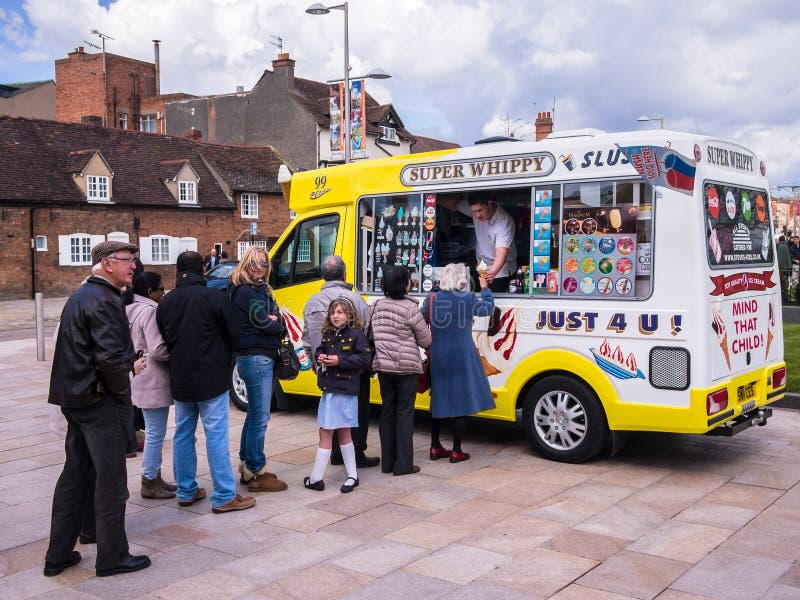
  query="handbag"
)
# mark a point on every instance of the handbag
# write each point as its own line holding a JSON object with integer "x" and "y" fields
{"x": 287, "y": 364}
{"x": 424, "y": 381}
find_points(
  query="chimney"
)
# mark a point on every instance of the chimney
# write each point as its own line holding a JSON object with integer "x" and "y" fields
{"x": 544, "y": 125}
{"x": 92, "y": 120}
{"x": 284, "y": 66}
{"x": 194, "y": 134}
{"x": 157, "y": 67}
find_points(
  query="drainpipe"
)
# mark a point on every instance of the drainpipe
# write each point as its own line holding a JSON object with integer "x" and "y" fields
{"x": 157, "y": 67}
{"x": 33, "y": 253}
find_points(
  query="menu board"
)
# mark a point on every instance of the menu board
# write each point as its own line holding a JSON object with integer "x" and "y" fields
{"x": 598, "y": 251}
{"x": 399, "y": 236}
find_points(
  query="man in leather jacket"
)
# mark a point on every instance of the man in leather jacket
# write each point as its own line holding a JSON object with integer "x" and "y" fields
{"x": 90, "y": 381}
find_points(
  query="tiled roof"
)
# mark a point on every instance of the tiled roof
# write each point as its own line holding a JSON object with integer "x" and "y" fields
{"x": 37, "y": 158}
{"x": 428, "y": 144}
{"x": 10, "y": 89}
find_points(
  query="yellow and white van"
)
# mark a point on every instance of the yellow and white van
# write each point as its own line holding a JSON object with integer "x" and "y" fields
{"x": 649, "y": 298}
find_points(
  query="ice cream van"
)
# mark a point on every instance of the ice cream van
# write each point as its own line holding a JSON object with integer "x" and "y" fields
{"x": 646, "y": 295}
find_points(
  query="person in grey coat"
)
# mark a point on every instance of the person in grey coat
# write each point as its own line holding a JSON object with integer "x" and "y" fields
{"x": 334, "y": 273}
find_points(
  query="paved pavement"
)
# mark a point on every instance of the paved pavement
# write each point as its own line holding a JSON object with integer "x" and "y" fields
{"x": 670, "y": 517}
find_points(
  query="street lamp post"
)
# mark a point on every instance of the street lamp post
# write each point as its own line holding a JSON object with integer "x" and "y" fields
{"x": 320, "y": 9}
{"x": 644, "y": 119}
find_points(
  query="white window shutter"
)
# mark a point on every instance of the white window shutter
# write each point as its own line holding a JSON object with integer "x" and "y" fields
{"x": 119, "y": 236}
{"x": 174, "y": 249}
{"x": 63, "y": 250}
{"x": 187, "y": 244}
{"x": 145, "y": 251}
{"x": 96, "y": 239}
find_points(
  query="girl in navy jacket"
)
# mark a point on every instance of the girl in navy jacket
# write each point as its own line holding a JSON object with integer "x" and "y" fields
{"x": 342, "y": 356}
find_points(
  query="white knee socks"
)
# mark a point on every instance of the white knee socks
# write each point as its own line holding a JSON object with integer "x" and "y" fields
{"x": 323, "y": 456}
{"x": 349, "y": 459}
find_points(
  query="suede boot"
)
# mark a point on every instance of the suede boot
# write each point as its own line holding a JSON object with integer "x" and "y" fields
{"x": 170, "y": 487}
{"x": 248, "y": 475}
{"x": 263, "y": 481}
{"x": 152, "y": 489}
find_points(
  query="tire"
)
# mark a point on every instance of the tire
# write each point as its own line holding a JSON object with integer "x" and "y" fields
{"x": 238, "y": 392}
{"x": 564, "y": 420}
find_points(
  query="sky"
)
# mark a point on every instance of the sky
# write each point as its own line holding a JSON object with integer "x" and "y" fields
{"x": 467, "y": 69}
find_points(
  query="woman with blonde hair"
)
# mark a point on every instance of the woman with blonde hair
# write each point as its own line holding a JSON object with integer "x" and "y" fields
{"x": 255, "y": 361}
{"x": 459, "y": 386}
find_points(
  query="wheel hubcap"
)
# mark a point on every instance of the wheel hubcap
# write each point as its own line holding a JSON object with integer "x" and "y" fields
{"x": 560, "y": 420}
{"x": 239, "y": 387}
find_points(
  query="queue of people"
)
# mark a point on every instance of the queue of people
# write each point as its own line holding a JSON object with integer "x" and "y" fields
{"x": 178, "y": 350}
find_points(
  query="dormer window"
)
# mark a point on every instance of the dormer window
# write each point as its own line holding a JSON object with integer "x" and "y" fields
{"x": 388, "y": 134}
{"x": 97, "y": 188}
{"x": 187, "y": 192}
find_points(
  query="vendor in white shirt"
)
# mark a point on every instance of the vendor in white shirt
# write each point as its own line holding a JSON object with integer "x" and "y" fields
{"x": 494, "y": 232}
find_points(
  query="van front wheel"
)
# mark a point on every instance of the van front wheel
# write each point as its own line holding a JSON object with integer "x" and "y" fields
{"x": 564, "y": 420}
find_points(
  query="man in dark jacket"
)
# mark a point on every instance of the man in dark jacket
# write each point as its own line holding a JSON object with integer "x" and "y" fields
{"x": 90, "y": 381}
{"x": 201, "y": 329}
{"x": 334, "y": 273}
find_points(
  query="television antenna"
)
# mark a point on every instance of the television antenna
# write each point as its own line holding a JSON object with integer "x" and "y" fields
{"x": 103, "y": 37}
{"x": 278, "y": 43}
{"x": 92, "y": 44}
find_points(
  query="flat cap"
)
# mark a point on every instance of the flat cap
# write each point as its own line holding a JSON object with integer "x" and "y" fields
{"x": 107, "y": 248}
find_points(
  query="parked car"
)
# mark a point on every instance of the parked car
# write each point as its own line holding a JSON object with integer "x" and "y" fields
{"x": 218, "y": 276}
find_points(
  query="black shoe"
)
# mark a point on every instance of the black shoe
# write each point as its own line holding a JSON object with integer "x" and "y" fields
{"x": 337, "y": 460}
{"x": 349, "y": 484}
{"x": 317, "y": 486}
{"x": 87, "y": 538}
{"x": 56, "y": 568}
{"x": 413, "y": 469}
{"x": 128, "y": 564}
{"x": 365, "y": 462}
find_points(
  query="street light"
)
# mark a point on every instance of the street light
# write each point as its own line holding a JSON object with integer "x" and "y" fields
{"x": 644, "y": 119}
{"x": 320, "y": 9}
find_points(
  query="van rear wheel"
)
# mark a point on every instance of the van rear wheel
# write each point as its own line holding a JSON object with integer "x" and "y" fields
{"x": 564, "y": 420}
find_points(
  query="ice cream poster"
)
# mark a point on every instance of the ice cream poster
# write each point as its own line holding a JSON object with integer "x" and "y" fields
{"x": 737, "y": 226}
{"x": 743, "y": 334}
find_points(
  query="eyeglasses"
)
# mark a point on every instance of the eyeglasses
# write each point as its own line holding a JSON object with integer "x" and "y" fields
{"x": 259, "y": 263}
{"x": 130, "y": 260}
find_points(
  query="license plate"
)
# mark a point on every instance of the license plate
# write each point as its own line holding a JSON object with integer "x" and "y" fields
{"x": 745, "y": 392}
{"x": 748, "y": 406}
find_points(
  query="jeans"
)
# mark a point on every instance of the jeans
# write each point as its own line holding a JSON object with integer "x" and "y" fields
{"x": 155, "y": 420}
{"x": 256, "y": 372}
{"x": 214, "y": 415}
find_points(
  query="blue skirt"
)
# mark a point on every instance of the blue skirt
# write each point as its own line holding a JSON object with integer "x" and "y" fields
{"x": 337, "y": 411}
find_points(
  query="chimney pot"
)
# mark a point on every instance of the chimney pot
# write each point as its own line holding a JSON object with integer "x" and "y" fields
{"x": 194, "y": 134}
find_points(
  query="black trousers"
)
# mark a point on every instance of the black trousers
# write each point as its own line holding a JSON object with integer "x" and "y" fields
{"x": 95, "y": 454}
{"x": 500, "y": 284}
{"x": 359, "y": 434}
{"x": 396, "y": 427}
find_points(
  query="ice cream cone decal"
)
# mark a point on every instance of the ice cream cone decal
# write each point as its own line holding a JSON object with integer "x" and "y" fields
{"x": 718, "y": 325}
{"x": 770, "y": 328}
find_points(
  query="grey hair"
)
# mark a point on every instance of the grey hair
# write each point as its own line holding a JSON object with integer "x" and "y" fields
{"x": 333, "y": 268}
{"x": 455, "y": 277}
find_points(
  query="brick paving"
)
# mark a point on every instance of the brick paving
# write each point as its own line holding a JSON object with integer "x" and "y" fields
{"x": 670, "y": 517}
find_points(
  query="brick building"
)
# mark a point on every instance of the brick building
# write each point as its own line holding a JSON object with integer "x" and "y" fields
{"x": 107, "y": 89}
{"x": 64, "y": 187}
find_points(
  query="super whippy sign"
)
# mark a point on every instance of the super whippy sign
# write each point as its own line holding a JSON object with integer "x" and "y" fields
{"x": 537, "y": 164}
